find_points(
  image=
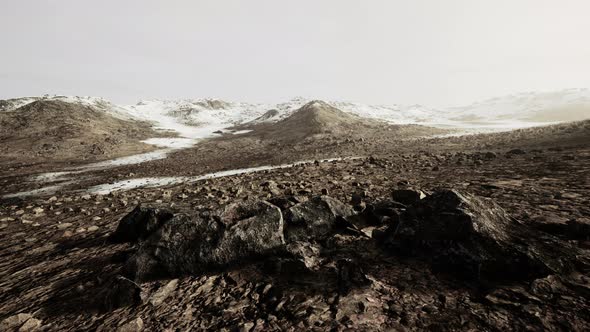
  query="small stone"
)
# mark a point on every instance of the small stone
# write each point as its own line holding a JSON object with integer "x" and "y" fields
{"x": 96, "y": 218}
{"x": 13, "y": 323}
{"x": 163, "y": 293}
{"x": 248, "y": 326}
{"x": 490, "y": 155}
{"x": 135, "y": 325}
{"x": 86, "y": 197}
{"x": 516, "y": 151}
{"x": 356, "y": 199}
{"x": 64, "y": 225}
{"x": 92, "y": 228}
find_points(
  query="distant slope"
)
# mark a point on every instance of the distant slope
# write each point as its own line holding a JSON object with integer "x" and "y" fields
{"x": 557, "y": 135}
{"x": 559, "y": 106}
{"x": 57, "y": 129}
{"x": 318, "y": 119}
{"x": 198, "y": 118}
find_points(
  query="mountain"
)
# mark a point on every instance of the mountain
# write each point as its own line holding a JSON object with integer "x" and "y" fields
{"x": 54, "y": 128}
{"x": 536, "y": 107}
{"x": 318, "y": 119}
{"x": 200, "y": 118}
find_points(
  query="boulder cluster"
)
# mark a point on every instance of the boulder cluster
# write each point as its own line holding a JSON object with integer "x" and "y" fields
{"x": 467, "y": 236}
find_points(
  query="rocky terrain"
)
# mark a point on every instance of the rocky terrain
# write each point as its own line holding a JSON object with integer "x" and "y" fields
{"x": 418, "y": 230}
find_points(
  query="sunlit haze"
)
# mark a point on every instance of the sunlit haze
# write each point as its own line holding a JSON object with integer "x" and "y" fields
{"x": 437, "y": 53}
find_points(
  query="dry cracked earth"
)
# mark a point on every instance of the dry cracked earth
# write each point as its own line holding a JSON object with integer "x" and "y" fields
{"x": 484, "y": 233}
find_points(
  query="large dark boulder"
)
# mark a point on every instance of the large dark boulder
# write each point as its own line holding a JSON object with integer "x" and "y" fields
{"x": 314, "y": 219}
{"x": 474, "y": 237}
{"x": 192, "y": 244}
{"x": 139, "y": 224}
{"x": 407, "y": 196}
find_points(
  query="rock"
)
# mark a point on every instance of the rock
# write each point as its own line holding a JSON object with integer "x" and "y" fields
{"x": 16, "y": 322}
{"x": 135, "y": 325}
{"x": 246, "y": 327}
{"x": 32, "y": 324}
{"x": 159, "y": 296}
{"x": 64, "y": 225}
{"x": 86, "y": 197}
{"x": 193, "y": 244}
{"x": 306, "y": 253}
{"x": 573, "y": 229}
{"x": 281, "y": 202}
{"x": 516, "y": 152}
{"x": 407, "y": 196}
{"x": 350, "y": 275}
{"x": 92, "y": 228}
{"x": 356, "y": 199}
{"x": 121, "y": 292}
{"x": 490, "y": 155}
{"x": 314, "y": 219}
{"x": 139, "y": 224}
{"x": 475, "y": 238}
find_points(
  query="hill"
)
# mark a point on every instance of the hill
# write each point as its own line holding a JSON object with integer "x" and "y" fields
{"x": 320, "y": 120}
{"x": 61, "y": 130}
{"x": 557, "y": 106}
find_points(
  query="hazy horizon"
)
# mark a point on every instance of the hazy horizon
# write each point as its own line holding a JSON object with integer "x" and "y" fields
{"x": 432, "y": 53}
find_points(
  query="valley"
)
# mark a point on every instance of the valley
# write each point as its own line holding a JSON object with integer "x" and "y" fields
{"x": 306, "y": 215}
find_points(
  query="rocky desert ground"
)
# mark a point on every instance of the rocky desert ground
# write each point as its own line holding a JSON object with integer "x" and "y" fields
{"x": 305, "y": 217}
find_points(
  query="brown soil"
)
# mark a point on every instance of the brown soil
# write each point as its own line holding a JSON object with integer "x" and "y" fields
{"x": 57, "y": 263}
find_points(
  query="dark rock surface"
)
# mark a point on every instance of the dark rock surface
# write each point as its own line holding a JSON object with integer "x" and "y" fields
{"x": 192, "y": 244}
{"x": 140, "y": 223}
{"x": 314, "y": 219}
{"x": 473, "y": 236}
{"x": 407, "y": 196}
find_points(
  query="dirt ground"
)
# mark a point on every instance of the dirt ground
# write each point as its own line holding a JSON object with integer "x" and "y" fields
{"x": 57, "y": 264}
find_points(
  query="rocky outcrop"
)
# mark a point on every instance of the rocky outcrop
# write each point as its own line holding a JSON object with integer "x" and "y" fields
{"x": 177, "y": 244}
{"x": 192, "y": 244}
{"x": 314, "y": 219}
{"x": 139, "y": 224}
{"x": 473, "y": 237}
{"x": 323, "y": 243}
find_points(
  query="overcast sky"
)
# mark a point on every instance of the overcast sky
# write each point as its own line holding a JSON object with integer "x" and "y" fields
{"x": 432, "y": 52}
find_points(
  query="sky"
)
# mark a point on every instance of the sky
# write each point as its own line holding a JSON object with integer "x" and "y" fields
{"x": 430, "y": 52}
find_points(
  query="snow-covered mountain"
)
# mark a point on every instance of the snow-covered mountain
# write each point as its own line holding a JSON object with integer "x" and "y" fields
{"x": 536, "y": 107}
{"x": 195, "y": 118}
